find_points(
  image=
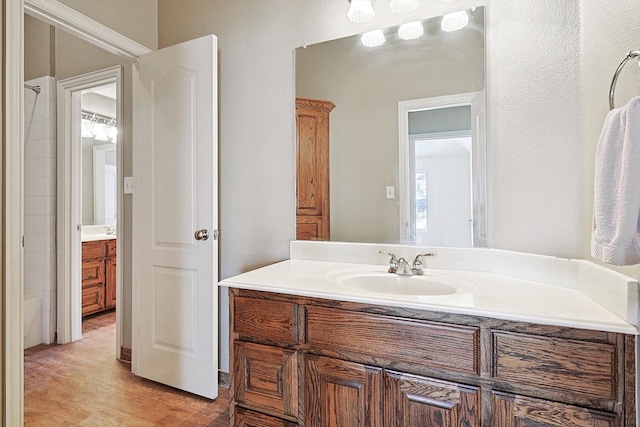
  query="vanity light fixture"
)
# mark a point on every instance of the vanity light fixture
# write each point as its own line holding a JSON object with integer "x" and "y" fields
{"x": 360, "y": 11}
{"x": 403, "y": 6}
{"x": 411, "y": 30}
{"x": 373, "y": 38}
{"x": 454, "y": 21}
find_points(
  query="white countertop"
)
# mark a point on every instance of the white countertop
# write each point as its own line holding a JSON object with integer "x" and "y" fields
{"x": 91, "y": 233}
{"x": 579, "y": 294}
{"x": 94, "y": 237}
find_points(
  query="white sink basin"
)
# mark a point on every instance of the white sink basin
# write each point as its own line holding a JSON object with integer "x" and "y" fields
{"x": 379, "y": 281}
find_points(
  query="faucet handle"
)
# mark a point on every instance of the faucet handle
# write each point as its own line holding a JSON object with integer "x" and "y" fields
{"x": 417, "y": 263}
{"x": 393, "y": 262}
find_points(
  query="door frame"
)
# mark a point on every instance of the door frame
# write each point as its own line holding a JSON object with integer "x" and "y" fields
{"x": 68, "y": 19}
{"x": 69, "y": 201}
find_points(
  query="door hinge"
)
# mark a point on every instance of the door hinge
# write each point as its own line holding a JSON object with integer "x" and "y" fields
{"x": 23, "y": 240}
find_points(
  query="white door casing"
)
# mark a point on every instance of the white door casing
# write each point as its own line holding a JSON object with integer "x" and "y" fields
{"x": 175, "y": 297}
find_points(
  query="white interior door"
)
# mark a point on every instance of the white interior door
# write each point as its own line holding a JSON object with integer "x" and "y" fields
{"x": 175, "y": 269}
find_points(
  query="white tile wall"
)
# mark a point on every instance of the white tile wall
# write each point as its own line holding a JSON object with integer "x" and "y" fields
{"x": 40, "y": 199}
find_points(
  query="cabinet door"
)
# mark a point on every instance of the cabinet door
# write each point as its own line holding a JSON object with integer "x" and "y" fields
{"x": 412, "y": 401}
{"x": 245, "y": 418}
{"x": 266, "y": 377}
{"x": 510, "y": 410}
{"x": 110, "y": 283}
{"x": 342, "y": 394}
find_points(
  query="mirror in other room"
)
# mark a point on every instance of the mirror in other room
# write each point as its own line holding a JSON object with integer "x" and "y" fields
{"x": 390, "y": 137}
{"x": 99, "y": 137}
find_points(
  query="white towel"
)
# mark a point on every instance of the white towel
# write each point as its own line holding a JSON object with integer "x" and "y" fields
{"x": 616, "y": 213}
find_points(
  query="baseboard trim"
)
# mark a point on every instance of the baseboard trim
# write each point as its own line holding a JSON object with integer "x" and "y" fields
{"x": 125, "y": 354}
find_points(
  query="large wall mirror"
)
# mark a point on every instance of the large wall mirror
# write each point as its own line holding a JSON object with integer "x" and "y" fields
{"x": 404, "y": 125}
{"x": 99, "y": 137}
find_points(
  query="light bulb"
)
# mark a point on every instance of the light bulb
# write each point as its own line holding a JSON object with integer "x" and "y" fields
{"x": 360, "y": 11}
{"x": 454, "y": 21}
{"x": 99, "y": 132}
{"x": 373, "y": 38}
{"x": 403, "y": 6}
{"x": 410, "y": 30}
{"x": 85, "y": 130}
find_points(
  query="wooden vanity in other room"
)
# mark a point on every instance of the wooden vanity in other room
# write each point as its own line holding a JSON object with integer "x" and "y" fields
{"x": 98, "y": 276}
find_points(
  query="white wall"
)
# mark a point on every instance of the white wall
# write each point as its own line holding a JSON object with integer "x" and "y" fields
{"x": 545, "y": 76}
{"x": 40, "y": 199}
{"x": 607, "y": 38}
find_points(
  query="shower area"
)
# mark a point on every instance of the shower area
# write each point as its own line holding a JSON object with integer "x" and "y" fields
{"x": 39, "y": 211}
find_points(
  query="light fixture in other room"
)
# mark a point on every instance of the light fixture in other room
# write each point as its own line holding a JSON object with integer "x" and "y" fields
{"x": 86, "y": 133}
{"x": 373, "y": 38}
{"x": 99, "y": 132}
{"x": 455, "y": 21}
{"x": 360, "y": 11}
{"x": 403, "y": 6}
{"x": 410, "y": 30}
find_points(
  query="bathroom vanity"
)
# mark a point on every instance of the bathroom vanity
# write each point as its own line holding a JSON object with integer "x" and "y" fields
{"x": 98, "y": 275}
{"x": 309, "y": 347}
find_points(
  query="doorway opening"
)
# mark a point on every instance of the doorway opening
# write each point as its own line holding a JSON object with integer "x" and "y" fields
{"x": 89, "y": 200}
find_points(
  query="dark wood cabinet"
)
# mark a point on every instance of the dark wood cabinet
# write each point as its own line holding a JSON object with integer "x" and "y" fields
{"x": 313, "y": 362}
{"x": 98, "y": 276}
{"x": 342, "y": 394}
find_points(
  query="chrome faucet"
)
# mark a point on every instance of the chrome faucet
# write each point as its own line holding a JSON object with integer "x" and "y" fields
{"x": 401, "y": 266}
{"x": 393, "y": 262}
{"x": 417, "y": 265}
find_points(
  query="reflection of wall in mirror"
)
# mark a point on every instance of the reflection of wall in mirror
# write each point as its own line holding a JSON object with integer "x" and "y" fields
{"x": 366, "y": 85}
{"x": 88, "y": 180}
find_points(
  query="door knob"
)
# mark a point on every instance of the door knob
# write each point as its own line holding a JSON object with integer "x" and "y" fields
{"x": 202, "y": 234}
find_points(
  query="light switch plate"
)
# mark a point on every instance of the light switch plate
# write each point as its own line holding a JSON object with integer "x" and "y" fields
{"x": 391, "y": 192}
{"x": 128, "y": 185}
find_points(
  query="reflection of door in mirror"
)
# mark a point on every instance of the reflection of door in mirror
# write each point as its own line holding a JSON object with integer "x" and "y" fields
{"x": 312, "y": 169}
{"x": 99, "y": 135}
{"x": 436, "y": 200}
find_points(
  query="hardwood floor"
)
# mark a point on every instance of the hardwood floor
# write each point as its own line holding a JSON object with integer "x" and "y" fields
{"x": 82, "y": 384}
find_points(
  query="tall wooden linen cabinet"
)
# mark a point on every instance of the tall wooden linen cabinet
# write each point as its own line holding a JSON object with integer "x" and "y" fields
{"x": 312, "y": 169}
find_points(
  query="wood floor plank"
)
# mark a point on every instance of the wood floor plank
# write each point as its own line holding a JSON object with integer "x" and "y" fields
{"x": 82, "y": 384}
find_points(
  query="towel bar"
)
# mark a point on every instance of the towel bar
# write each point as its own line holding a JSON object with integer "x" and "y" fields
{"x": 612, "y": 89}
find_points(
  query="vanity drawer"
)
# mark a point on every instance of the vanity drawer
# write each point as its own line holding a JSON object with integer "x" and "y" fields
{"x": 275, "y": 321}
{"x": 429, "y": 344}
{"x": 244, "y": 418}
{"x": 92, "y": 272}
{"x": 580, "y": 367}
{"x": 266, "y": 377}
{"x": 92, "y": 250}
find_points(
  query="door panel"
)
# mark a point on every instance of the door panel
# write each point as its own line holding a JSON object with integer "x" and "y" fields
{"x": 342, "y": 394}
{"x": 175, "y": 170}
